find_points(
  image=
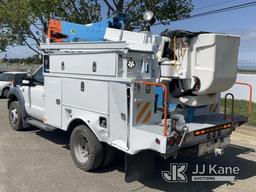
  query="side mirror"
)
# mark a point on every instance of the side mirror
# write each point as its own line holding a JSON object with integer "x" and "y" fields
{"x": 27, "y": 81}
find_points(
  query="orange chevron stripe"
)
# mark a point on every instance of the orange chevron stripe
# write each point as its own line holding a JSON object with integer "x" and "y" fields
{"x": 142, "y": 111}
{"x": 147, "y": 118}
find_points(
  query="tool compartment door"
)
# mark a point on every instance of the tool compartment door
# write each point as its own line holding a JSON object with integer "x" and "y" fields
{"x": 87, "y": 64}
{"x": 53, "y": 101}
{"x": 86, "y": 94}
{"x": 118, "y": 130}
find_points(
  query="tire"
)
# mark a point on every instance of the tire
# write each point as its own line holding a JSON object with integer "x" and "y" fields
{"x": 86, "y": 150}
{"x": 15, "y": 117}
{"x": 109, "y": 155}
{"x": 5, "y": 93}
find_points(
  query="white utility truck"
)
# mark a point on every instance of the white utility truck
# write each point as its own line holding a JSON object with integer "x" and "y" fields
{"x": 141, "y": 93}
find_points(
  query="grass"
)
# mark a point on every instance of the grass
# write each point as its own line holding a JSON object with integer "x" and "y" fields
{"x": 246, "y": 71}
{"x": 241, "y": 108}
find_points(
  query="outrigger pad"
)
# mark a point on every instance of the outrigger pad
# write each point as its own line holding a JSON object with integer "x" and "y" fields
{"x": 139, "y": 166}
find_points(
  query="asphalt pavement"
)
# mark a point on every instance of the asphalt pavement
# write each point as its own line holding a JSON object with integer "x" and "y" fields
{"x": 35, "y": 160}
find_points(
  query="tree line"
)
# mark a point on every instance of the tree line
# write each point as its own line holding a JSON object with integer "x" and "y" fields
{"x": 35, "y": 59}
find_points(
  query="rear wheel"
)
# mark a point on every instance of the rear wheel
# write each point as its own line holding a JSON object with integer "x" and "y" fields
{"x": 85, "y": 148}
{"x": 109, "y": 155}
{"x": 6, "y": 92}
{"x": 15, "y": 117}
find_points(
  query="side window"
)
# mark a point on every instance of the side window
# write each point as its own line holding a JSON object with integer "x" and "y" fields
{"x": 6, "y": 77}
{"x": 19, "y": 78}
{"x": 38, "y": 77}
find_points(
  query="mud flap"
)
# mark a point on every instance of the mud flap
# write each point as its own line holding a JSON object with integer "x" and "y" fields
{"x": 139, "y": 166}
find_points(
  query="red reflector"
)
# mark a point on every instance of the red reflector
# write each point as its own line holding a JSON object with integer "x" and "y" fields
{"x": 157, "y": 141}
{"x": 172, "y": 141}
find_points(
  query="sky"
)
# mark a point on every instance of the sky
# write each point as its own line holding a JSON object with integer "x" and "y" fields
{"x": 238, "y": 22}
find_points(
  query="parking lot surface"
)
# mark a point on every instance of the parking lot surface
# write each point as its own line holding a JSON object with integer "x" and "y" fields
{"x": 35, "y": 160}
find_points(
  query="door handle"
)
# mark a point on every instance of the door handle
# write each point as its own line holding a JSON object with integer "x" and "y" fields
{"x": 58, "y": 101}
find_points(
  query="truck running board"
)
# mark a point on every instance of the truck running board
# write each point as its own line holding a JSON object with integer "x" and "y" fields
{"x": 40, "y": 125}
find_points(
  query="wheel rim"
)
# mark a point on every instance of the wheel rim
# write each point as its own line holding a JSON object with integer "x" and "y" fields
{"x": 6, "y": 93}
{"x": 14, "y": 116}
{"x": 82, "y": 150}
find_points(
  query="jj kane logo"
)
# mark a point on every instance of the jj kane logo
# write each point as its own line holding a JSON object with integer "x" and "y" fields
{"x": 178, "y": 173}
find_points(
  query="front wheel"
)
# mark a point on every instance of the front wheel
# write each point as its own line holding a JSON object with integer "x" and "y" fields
{"x": 15, "y": 117}
{"x": 85, "y": 148}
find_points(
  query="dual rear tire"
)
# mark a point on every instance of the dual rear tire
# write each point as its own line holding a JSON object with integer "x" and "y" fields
{"x": 87, "y": 152}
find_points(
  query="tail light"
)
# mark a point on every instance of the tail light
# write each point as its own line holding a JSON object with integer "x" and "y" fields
{"x": 172, "y": 141}
{"x": 178, "y": 139}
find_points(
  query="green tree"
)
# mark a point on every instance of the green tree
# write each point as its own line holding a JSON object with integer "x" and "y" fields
{"x": 5, "y": 39}
{"x": 3, "y": 44}
{"x": 165, "y": 10}
{"x": 21, "y": 22}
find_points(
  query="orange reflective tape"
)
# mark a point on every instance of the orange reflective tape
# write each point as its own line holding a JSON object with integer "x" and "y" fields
{"x": 142, "y": 111}
{"x": 147, "y": 118}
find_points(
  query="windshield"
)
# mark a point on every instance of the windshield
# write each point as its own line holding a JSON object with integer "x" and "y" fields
{"x": 6, "y": 77}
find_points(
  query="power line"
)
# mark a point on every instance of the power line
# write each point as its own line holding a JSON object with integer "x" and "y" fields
{"x": 226, "y": 9}
{"x": 214, "y": 5}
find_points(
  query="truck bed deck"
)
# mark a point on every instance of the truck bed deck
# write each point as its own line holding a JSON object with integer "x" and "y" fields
{"x": 200, "y": 122}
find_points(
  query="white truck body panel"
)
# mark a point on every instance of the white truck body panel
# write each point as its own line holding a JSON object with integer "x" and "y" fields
{"x": 94, "y": 97}
{"x": 53, "y": 96}
{"x": 214, "y": 61}
{"x": 118, "y": 115}
{"x": 69, "y": 114}
{"x": 104, "y": 93}
{"x": 134, "y": 41}
{"x": 34, "y": 101}
{"x": 84, "y": 64}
